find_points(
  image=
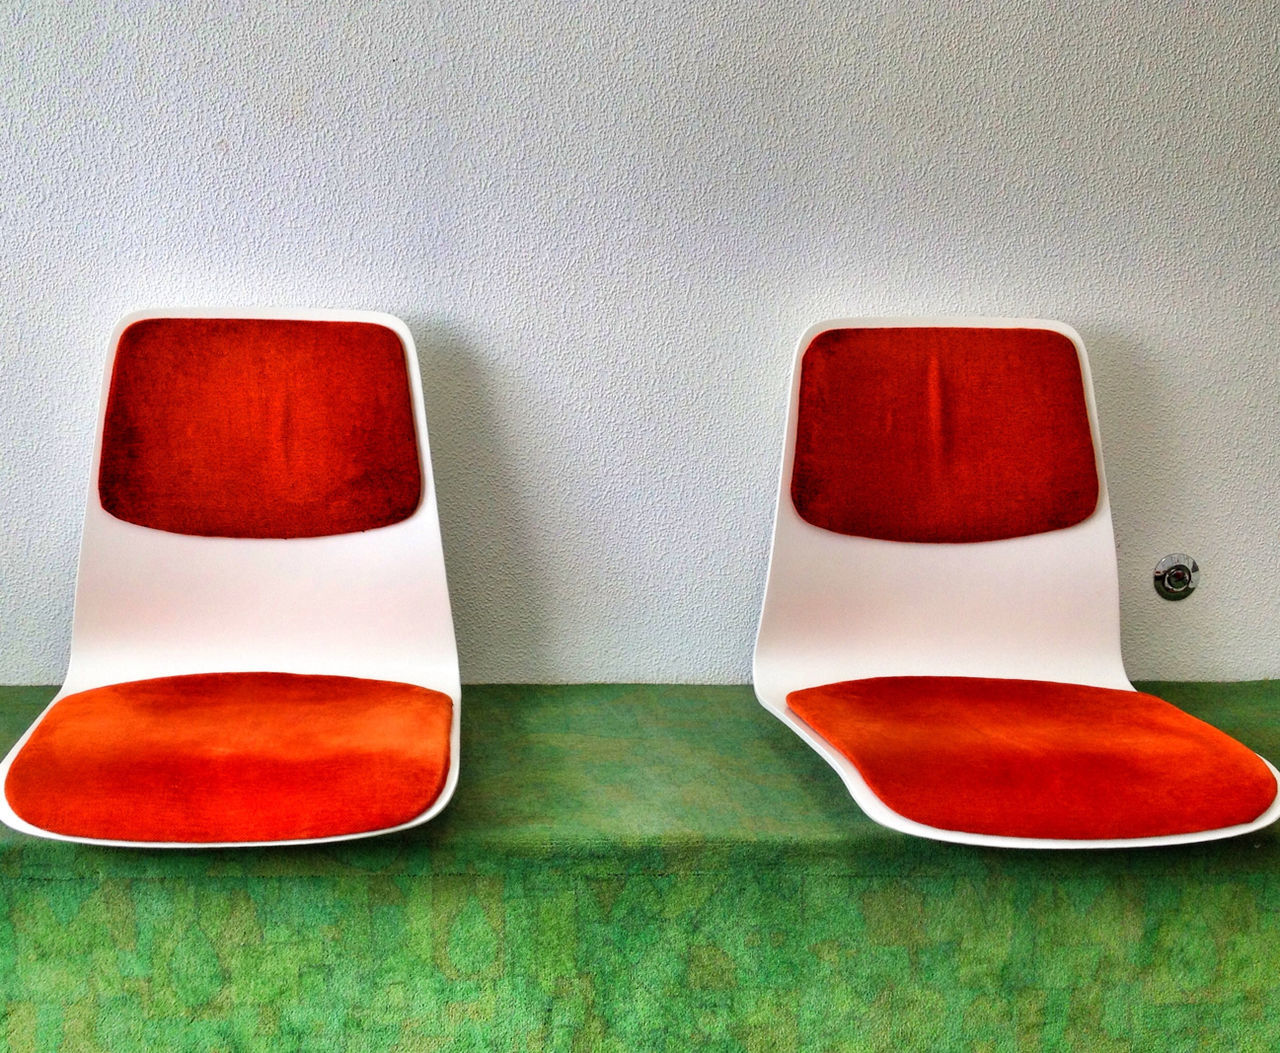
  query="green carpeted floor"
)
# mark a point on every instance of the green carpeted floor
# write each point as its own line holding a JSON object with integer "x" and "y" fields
{"x": 637, "y": 868}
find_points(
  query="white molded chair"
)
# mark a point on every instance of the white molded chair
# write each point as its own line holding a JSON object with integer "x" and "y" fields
{"x": 263, "y": 648}
{"x": 950, "y": 650}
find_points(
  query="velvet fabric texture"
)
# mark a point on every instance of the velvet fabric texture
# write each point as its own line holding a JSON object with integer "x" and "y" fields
{"x": 1024, "y": 758}
{"x": 942, "y": 434}
{"x": 259, "y": 428}
{"x": 234, "y": 757}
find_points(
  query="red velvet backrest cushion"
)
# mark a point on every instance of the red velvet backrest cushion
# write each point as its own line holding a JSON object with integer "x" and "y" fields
{"x": 259, "y": 428}
{"x": 943, "y": 434}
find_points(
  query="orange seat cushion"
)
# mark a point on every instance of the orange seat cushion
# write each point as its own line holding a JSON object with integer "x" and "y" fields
{"x": 1024, "y": 758}
{"x": 234, "y": 757}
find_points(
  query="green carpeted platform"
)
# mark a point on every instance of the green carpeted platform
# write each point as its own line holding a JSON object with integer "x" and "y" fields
{"x": 636, "y": 868}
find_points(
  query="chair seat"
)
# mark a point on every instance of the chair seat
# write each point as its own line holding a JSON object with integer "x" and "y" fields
{"x": 1023, "y": 758}
{"x": 234, "y": 757}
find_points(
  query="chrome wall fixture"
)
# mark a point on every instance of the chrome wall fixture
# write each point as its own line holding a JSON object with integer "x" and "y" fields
{"x": 1177, "y": 576}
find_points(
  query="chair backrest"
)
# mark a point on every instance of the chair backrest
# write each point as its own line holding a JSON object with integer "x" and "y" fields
{"x": 261, "y": 498}
{"x": 942, "y": 510}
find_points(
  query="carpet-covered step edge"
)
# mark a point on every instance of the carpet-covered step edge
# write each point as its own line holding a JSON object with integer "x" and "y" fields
{"x": 654, "y": 779}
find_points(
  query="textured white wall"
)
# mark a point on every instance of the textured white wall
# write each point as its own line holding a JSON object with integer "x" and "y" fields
{"x": 607, "y": 224}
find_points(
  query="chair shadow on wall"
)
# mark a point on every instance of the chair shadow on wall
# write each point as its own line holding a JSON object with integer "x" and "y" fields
{"x": 494, "y": 581}
{"x": 1144, "y": 437}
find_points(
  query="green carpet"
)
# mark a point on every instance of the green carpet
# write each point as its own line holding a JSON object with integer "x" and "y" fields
{"x": 646, "y": 868}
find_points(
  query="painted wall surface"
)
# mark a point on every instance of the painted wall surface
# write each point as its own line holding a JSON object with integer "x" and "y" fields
{"x": 608, "y": 223}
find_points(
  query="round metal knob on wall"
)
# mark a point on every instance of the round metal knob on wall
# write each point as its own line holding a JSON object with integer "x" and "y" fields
{"x": 1177, "y": 576}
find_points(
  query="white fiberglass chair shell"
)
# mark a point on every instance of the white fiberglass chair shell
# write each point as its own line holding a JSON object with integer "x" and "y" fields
{"x": 263, "y": 648}
{"x": 941, "y": 619}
